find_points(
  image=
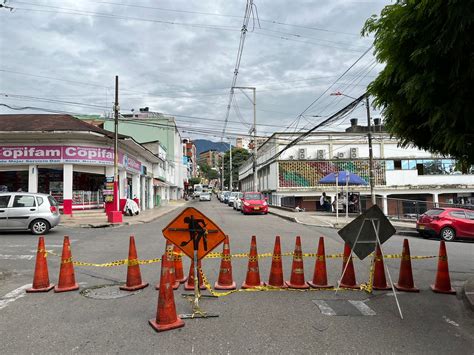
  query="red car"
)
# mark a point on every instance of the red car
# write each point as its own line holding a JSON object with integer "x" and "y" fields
{"x": 446, "y": 223}
{"x": 254, "y": 202}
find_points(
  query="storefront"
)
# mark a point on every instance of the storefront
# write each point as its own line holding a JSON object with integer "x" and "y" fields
{"x": 75, "y": 167}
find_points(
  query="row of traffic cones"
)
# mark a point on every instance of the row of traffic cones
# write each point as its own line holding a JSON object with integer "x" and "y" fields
{"x": 319, "y": 281}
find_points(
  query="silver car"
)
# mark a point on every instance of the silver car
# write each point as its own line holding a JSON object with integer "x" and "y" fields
{"x": 28, "y": 211}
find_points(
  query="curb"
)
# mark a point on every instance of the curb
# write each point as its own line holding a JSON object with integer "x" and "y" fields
{"x": 117, "y": 225}
{"x": 468, "y": 294}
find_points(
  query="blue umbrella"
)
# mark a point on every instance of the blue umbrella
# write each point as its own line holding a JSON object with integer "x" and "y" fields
{"x": 344, "y": 178}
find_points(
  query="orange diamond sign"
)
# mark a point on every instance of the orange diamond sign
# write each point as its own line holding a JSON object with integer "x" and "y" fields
{"x": 193, "y": 229}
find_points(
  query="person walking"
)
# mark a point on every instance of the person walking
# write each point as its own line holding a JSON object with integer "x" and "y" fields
{"x": 324, "y": 202}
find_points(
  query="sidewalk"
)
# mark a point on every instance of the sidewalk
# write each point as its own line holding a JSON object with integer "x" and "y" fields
{"x": 144, "y": 217}
{"x": 328, "y": 220}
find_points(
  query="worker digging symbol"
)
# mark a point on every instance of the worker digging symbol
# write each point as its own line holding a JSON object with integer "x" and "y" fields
{"x": 197, "y": 231}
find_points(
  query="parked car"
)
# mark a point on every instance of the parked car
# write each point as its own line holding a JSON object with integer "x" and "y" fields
{"x": 446, "y": 223}
{"x": 232, "y": 196}
{"x": 205, "y": 196}
{"x": 238, "y": 201}
{"x": 254, "y": 202}
{"x": 225, "y": 197}
{"x": 28, "y": 211}
{"x": 220, "y": 196}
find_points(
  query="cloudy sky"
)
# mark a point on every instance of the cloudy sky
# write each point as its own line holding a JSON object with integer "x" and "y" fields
{"x": 178, "y": 57}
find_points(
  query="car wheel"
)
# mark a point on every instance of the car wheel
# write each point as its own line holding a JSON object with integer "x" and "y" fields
{"x": 448, "y": 234}
{"x": 39, "y": 226}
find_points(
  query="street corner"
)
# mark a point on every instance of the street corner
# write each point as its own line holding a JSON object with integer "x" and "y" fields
{"x": 468, "y": 293}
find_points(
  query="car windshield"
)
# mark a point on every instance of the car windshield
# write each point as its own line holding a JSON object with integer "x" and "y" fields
{"x": 234, "y": 194}
{"x": 253, "y": 196}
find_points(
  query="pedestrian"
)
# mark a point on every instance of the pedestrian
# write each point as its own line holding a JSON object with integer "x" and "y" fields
{"x": 323, "y": 201}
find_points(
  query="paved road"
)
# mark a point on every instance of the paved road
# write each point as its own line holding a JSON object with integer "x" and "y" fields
{"x": 284, "y": 322}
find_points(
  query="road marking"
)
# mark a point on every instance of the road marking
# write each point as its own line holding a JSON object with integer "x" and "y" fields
{"x": 13, "y": 296}
{"x": 344, "y": 308}
{"x": 324, "y": 308}
{"x": 16, "y": 257}
{"x": 363, "y": 308}
{"x": 450, "y": 321}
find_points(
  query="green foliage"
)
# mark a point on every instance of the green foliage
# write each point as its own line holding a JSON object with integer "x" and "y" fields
{"x": 194, "y": 181}
{"x": 426, "y": 88}
{"x": 239, "y": 156}
{"x": 208, "y": 172}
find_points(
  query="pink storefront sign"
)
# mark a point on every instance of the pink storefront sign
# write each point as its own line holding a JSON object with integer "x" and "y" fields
{"x": 65, "y": 154}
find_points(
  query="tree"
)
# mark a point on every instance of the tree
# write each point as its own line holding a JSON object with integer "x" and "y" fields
{"x": 425, "y": 90}
{"x": 208, "y": 172}
{"x": 239, "y": 156}
{"x": 194, "y": 181}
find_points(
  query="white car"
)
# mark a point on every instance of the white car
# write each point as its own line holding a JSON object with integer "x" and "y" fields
{"x": 238, "y": 201}
{"x": 232, "y": 197}
{"x": 205, "y": 196}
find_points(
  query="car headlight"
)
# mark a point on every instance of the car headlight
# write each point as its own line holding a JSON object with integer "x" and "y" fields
{"x": 264, "y": 203}
{"x": 246, "y": 204}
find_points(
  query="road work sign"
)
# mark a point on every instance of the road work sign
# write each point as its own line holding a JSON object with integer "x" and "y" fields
{"x": 192, "y": 227}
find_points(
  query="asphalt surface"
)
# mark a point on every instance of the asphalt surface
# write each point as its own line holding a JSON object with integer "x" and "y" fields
{"x": 263, "y": 322}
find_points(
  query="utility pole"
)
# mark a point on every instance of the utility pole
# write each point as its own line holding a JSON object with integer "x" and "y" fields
{"x": 116, "y": 174}
{"x": 254, "y": 131}
{"x": 230, "y": 165}
{"x": 371, "y": 154}
{"x": 222, "y": 173}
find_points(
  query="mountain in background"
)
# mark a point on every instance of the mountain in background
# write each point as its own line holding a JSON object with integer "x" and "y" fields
{"x": 203, "y": 144}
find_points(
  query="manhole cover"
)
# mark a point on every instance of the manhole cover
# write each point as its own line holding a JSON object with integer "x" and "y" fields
{"x": 106, "y": 292}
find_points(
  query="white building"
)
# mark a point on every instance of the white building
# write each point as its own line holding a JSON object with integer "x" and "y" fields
{"x": 400, "y": 173}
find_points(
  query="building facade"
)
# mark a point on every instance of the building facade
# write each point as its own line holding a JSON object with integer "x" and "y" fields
{"x": 400, "y": 173}
{"x": 211, "y": 158}
{"x": 73, "y": 161}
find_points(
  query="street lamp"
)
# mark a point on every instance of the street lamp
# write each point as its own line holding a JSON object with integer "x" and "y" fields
{"x": 369, "y": 135}
{"x": 254, "y": 131}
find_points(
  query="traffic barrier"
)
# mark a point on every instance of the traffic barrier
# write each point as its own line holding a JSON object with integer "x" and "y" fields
{"x": 348, "y": 277}
{"x": 297, "y": 268}
{"x": 189, "y": 285}
{"x": 405, "y": 278}
{"x": 253, "y": 273}
{"x": 170, "y": 253}
{"x": 166, "y": 316}
{"x": 443, "y": 281}
{"x": 67, "y": 280}
{"x": 41, "y": 276}
{"x": 134, "y": 277}
{"x": 178, "y": 265}
{"x": 320, "y": 278}
{"x": 276, "y": 271}
{"x": 225, "y": 281}
{"x": 380, "y": 282}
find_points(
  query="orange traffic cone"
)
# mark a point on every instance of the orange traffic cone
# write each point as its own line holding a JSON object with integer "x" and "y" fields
{"x": 276, "y": 272}
{"x": 189, "y": 285}
{"x": 67, "y": 280}
{"x": 170, "y": 253}
{"x": 320, "y": 277}
{"x": 253, "y": 272}
{"x": 380, "y": 282}
{"x": 41, "y": 277}
{"x": 166, "y": 317}
{"x": 178, "y": 265}
{"x": 443, "y": 281}
{"x": 348, "y": 280}
{"x": 405, "y": 278}
{"x": 297, "y": 268}
{"x": 225, "y": 281}
{"x": 134, "y": 277}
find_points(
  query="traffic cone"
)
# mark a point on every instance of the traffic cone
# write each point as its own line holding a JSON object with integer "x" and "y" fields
{"x": 67, "y": 280}
{"x": 380, "y": 282}
{"x": 443, "y": 281}
{"x": 178, "y": 265}
{"x": 134, "y": 277}
{"x": 320, "y": 277}
{"x": 405, "y": 278}
{"x": 276, "y": 272}
{"x": 348, "y": 280}
{"x": 297, "y": 268}
{"x": 253, "y": 273}
{"x": 170, "y": 253}
{"x": 225, "y": 281}
{"x": 166, "y": 317}
{"x": 41, "y": 276}
{"x": 189, "y": 285}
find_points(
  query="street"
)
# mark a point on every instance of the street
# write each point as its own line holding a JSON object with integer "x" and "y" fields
{"x": 260, "y": 322}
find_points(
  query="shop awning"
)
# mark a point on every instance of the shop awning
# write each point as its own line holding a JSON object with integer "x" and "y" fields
{"x": 157, "y": 182}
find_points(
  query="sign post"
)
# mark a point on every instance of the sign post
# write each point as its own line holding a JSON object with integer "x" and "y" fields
{"x": 196, "y": 235}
